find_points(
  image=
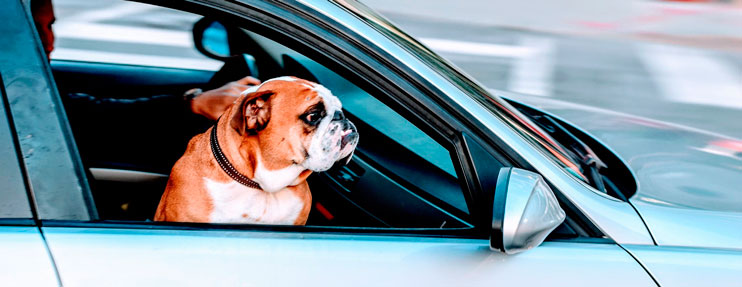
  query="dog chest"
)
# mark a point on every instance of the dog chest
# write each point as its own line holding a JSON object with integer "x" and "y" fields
{"x": 236, "y": 203}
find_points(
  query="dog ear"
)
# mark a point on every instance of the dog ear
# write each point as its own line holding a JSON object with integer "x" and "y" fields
{"x": 255, "y": 113}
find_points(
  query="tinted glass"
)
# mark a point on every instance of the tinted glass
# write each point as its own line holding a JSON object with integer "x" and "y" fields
{"x": 432, "y": 171}
{"x": 498, "y": 106}
{"x": 122, "y": 32}
{"x": 13, "y": 198}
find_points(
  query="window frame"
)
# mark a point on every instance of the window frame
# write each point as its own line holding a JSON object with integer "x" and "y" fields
{"x": 418, "y": 108}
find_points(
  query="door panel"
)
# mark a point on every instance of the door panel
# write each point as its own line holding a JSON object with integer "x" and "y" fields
{"x": 24, "y": 260}
{"x": 690, "y": 266}
{"x": 127, "y": 257}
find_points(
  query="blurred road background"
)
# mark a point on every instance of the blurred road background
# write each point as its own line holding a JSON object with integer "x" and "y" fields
{"x": 669, "y": 61}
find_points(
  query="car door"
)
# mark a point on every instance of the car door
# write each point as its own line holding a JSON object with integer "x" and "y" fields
{"x": 150, "y": 256}
{"x": 91, "y": 252}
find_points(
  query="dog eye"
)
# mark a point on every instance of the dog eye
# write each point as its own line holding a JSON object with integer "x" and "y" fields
{"x": 313, "y": 118}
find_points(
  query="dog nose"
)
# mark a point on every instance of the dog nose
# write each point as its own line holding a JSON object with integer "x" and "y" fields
{"x": 338, "y": 115}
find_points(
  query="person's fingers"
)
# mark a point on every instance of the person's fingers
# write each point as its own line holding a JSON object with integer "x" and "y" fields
{"x": 229, "y": 97}
{"x": 238, "y": 86}
{"x": 237, "y": 90}
{"x": 248, "y": 81}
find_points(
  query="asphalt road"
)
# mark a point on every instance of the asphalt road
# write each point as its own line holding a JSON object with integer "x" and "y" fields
{"x": 681, "y": 84}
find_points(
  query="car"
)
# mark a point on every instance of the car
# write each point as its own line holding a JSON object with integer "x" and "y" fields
{"x": 451, "y": 184}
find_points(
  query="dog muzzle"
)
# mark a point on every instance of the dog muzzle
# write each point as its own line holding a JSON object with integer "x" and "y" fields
{"x": 334, "y": 141}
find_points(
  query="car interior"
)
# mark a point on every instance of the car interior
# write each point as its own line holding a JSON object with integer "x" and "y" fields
{"x": 400, "y": 177}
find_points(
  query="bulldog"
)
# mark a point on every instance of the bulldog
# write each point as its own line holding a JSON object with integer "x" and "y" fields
{"x": 252, "y": 165}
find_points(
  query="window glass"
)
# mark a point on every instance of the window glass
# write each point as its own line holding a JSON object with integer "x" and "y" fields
{"x": 13, "y": 198}
{"x": 391, "y": 124}
{"x": 123, "y": 32}
{"x": 500, "y": 108}
{"x": 383, "y": 119}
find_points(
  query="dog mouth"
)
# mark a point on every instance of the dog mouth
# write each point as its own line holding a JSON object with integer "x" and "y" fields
{"x": 348, "y": 137}
{"x": 348, "y": 141}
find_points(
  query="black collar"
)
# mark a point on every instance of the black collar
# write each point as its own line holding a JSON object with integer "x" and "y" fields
{"x": 226, "y": 165}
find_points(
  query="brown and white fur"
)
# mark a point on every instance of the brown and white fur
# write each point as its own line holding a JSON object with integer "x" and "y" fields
{"x": 276, "y": 134}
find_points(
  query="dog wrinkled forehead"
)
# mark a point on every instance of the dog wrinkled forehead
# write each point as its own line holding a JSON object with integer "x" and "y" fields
{"x": 331, "y": 102}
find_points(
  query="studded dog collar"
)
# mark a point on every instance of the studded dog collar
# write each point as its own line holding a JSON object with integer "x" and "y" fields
{"x": 226, "y": 165}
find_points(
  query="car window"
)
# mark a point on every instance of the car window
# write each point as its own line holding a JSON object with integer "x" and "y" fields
{"x": 13, "y": 198}
{"x": 399, "y": 177}
{"x": 381, "y": 118}
{"x": 123, "y": 32}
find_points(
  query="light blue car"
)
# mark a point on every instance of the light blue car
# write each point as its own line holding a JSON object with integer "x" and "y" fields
{"x": 450, "y": 185}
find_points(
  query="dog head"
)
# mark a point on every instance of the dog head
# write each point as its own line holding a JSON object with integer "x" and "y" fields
{"x": 299, "y": 125}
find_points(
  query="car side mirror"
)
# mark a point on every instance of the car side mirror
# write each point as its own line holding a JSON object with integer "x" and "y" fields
{"x": 211, "y": 39}
{"x": 524, "y": 211}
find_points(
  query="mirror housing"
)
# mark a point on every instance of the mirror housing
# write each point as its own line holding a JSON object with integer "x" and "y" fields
{"x": 524, "y": 211}
{"x": 211, "y": 39}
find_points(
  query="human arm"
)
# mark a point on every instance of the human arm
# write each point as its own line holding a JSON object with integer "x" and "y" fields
{"x": 211, "y": 104}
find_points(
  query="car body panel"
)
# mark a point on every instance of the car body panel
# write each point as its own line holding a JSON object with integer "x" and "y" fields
{"x": 689, "y": 184}
{"x": 692, "y": 227}
{"x": 126, "y": 257}
{"x": 24, "y": 260}
{"x": 689, "y": 266}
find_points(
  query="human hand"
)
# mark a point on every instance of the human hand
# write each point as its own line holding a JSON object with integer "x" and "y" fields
{"x": 211, "y": 104}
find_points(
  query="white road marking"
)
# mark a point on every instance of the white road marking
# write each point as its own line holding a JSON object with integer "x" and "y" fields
{"x": 112, "y": 12}
{"x": 534, "y": 74}
{"x": 82, "y": 26}
{"x": 125, "y": 34}
{"x": 688, "y": 75}
{"x": 477, "y": 48}
{"x": 135, "y": 59}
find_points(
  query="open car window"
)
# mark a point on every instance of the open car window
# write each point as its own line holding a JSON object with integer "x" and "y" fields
{"x": 389, "y": 132}
{"x": 128, "y": 33}
{"x": 400, "y": 176}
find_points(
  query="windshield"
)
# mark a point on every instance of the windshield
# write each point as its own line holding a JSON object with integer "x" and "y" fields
{"x": 499, "y": 107}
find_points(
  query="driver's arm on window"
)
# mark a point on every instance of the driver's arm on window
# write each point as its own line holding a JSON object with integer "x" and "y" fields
{"x": 163, "y": 120}
{"x": 210, "y": 104}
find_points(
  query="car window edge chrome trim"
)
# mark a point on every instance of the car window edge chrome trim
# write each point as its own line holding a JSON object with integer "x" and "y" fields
{"x": 463, "y": 232}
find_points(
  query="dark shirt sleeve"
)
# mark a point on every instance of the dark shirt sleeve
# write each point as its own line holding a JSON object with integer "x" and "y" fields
{"x": 144, "y": 104}
{"x": 147, "y": 132}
